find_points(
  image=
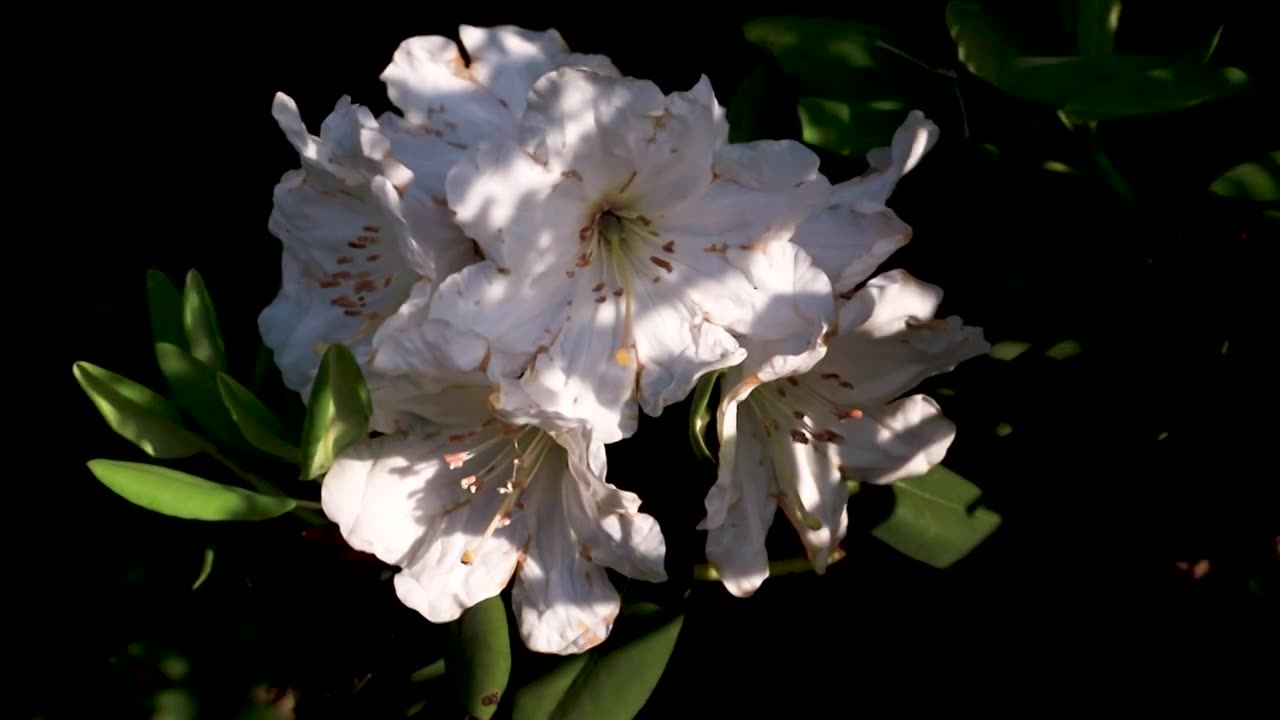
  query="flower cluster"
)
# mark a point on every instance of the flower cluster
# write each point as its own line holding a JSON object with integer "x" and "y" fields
{"x": 535, "y": 249}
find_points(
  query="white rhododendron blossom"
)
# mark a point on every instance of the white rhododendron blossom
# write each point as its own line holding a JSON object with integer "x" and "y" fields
{"x": 625, "y": 242}
{"x": 464, "y": 500}
{"x": 531, "y": 250}
{"x": 363, "y": 181}
{"x": 856, "y": 231}
{"x": 792, "y": 442}
{"x": 342, "y": 271}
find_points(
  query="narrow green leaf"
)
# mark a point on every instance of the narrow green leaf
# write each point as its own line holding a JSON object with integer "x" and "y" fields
{"x": 165, "y": 305}
{"x": 137, "y": 414}
{"x": 613, "y": 680}
{"x": 201, "y": 323}
{"x": 1096, "y": 23}
{"x": 981, "y": 44}
{"x": 259, "y": 425}
{"x": 194, "y": 386}
{"x": 482, "y": 657}
{"x": 338, "y": 411}
{"x": 1213, "y": 44}
{"x": 178, "y": 494}
{"x": 700, "y": 416}
{"x": 205, "y": 569}
{"x": 1104, "y": 87}
{"x": 937, "y": 518}
{"x": 1258, "y": 181}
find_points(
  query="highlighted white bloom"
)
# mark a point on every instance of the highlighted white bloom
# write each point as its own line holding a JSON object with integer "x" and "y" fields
{"x": 625, "y": 242}
{"x": 793, "y": 441}
{"x": 464, "y": 501}
{"x": 857, "y": 231}
{"x": 342, "y": 271}
{"x": 364, "y": 222}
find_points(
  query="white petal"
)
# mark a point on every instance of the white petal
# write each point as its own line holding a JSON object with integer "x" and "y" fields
{"x": 516, "y": 313}
{"x": 564, "y": 602}
{"x": 856, "y": 231}
{"x": 428, "y": 80}
{"x": 786, "y": 336}
{"x": 905, "y": 439}
{"x": 397, "y": 497}
{"x": 622, "y": 138}
{"x": 608, "y": 522}
{"x": 432, "y": 243}
{"x": 436, "y": 352}
{"x": 741, "y": 505}
{"x": 509, "y": 59}
{"x": 721, "y": 236}
{"x": 888, "y": 341}
{"x": 341, "y": 270}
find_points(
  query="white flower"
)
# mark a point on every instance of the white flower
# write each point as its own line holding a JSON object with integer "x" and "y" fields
{"x": 625, "y": 242}
{"x": 856, "y": 231}
{"x": 449, "y": 106}
{"x": 342, "y": 269}
{"x": 792, "y": 442}
{"x": 363, "y": 221}
{"x": 464, "y": 501}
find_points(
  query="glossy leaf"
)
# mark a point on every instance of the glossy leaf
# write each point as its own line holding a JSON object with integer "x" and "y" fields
{"x": 201, "y": 323}
{"x": 1258, "y": 181}
{"x": 700, "y": 416}
{"x": 181, "y": 495}
{"x": 1096, "y": 23}
{"x": 613, "y": 680}
{"x": 849, "y": 128}
{"x": 259, "y": 425}
{"x": 936, "y": 518}
{"x": 164, "y": 303}
{"x": 194, "y": 386}
{"x": 834, "y": 58}
{"x": 482, "y": 657}
{"x": 1106, "y": 87}
{"x": 137, "y": 414}
{"x": 338, "y": 411}
{"x": 982, "y": 45}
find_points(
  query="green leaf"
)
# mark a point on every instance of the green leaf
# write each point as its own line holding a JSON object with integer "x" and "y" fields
{"x": 195, "y": 387}
{"x": 165, "y": 305}
{"x": 1258, "y": 181}
{"x": 982, "y": 44}
{"x": 849, "y": 128}
{"x": 137, "y": 414}
{"x": 201, "y": 324}
{"x": 338, "y": 411}
{"x": 1104, "y": 87}
{"x": 936, "y": 518}
{"x": 747, "y": 112}
{"x": 613, "y": 680}
{"x": 1096, "y": 23}
{"x": 482, "y": 656}
{"x": 259, "y": 425}
{"x": 178, "y": 494}
{"x": 700, "y": 416}
{"x": 205, "y": 569}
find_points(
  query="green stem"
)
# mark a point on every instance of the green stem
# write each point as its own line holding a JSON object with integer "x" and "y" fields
{"x": 790, "y": 566}
{"x": 1088, "y": 133}
{"x": 303, "y": 506}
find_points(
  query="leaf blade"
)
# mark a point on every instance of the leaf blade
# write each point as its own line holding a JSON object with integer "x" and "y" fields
{"x": 200, "y": 323}
{"x": 259, "y": 425}
{"x": 195, "y": 388}
{"x": 338, "y": 411}
{"x": 482, "y": 648}
{"x": 700, "y": 416}
{"x": 614, "y": 680}
{"x": 182, "y": 495}
{"x": 138, "y": 414}
{"x": 164, "y": 303}
{"x": 932, "y": 520}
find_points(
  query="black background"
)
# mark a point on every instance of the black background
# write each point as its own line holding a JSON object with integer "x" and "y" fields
{"x": 171, "y": 158}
